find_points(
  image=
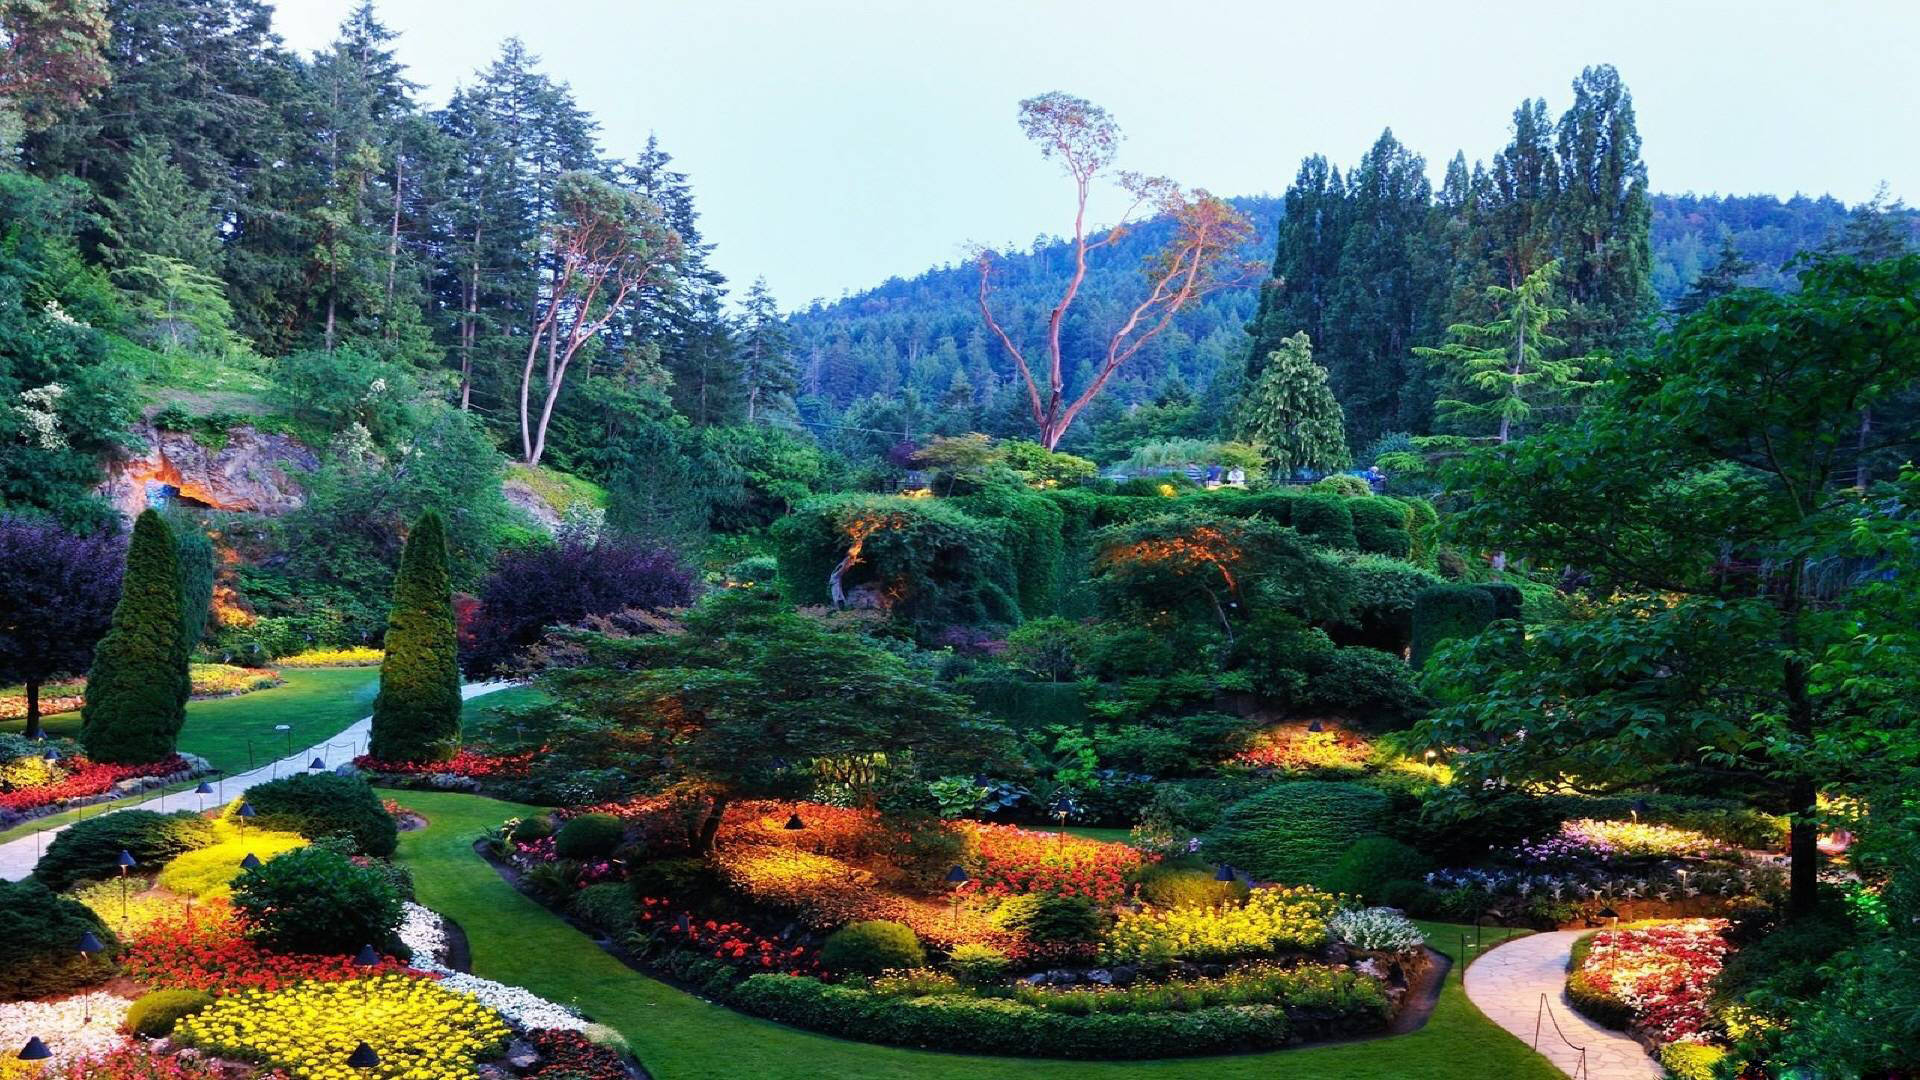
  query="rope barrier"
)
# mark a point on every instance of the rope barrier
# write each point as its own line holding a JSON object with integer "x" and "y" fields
{"x": 1546, "y": 1009}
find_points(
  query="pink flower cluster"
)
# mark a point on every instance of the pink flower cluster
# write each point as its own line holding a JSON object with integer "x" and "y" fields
{"x": 1662, "y": 972}
{"x": 592, "y": 871}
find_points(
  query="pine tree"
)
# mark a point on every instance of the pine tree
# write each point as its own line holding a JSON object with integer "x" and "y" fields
{"x": 1724, "y": 276}
{"x": 159, "y": 213}
{"x": 1306, "y": 263}
{"x": 416, "y": 716}
{"x": 1602, "y": 217}
{"x": 1292, "y": 415}
{"x": 137, "y": 690}
{"x": 766, "y": 362}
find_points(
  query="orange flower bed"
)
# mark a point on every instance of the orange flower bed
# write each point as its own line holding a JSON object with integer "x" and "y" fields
{"x": 1293, "y": 748}
{"x": 1013, "y": 860}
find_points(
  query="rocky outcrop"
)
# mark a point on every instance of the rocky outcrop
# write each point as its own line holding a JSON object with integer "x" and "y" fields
{"x": 253, "y": 471}
{"x": 521, "y": 495}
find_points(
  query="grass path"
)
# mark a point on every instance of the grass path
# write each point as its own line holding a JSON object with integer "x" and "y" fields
{"x": 680, "y": 1037}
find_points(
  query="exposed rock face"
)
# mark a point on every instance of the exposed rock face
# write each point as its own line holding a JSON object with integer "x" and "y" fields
{"x": 255, "y": 471}
{"x": 521, "y": 494}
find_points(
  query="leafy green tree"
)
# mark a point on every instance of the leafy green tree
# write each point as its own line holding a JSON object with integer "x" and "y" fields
{"x": 51, "y": 58}
{"x": 749, "y": 699}
{"x": 416, "y": 716}
{"x": 185, "y": 308}
{"x": 138, "y": 686}
{"x": 1510, "y": 362}
{"x": 1291, "y": 415}
{"x": 1701, "y": 492}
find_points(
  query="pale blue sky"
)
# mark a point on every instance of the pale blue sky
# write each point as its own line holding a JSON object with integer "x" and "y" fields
{"x": 835, "y": 143}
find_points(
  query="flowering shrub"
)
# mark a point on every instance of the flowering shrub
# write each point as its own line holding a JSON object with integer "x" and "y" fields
{"x": 469, "y": 763}
{"x": 78, "y": 778}
{"x": 1274, "y": 919}
{"x": 733, "y": 942}
{"x": 1379, "y": 929}
{"x": 207, "y": 949}
{"x": 821, "y": 886}
{"x": 572, "y": 1056}
{"x": 421, "y": 1030}
{"x": 351, "y": 656}
{"x": 1293, "y": 748}
{"x": 1587, "y": 838}
{"x": 1661, "y": 974}
{"x": 1011, "y": 860}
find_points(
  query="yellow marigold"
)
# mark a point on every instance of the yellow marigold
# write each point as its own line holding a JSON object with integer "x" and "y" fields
{"x": 1273, "y": 919}
{"x": 353, "y": 656}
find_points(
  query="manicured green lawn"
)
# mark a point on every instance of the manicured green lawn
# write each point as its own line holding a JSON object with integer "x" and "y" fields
{"x": 318, "y": 702}
{"x": 478, "y": 717}
{"x": 679, "y": 1037}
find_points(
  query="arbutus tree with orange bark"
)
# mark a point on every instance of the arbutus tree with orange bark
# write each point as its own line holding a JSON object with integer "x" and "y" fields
{"x": 1203, "y": 254}
{"x": 608, "y": 246}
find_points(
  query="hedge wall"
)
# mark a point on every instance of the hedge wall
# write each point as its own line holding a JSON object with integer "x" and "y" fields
{"x": 1446, "y": 612}
{"x": 1296, "y": 832}
{"x": 1380, "y": 525}
{"x": 1325, "y": 519}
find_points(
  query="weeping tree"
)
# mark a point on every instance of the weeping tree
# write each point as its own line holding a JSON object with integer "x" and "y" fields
{"x": 1291, "y": 415}
{"x": 138, "y": 686}
{"x": 416, "y": 716}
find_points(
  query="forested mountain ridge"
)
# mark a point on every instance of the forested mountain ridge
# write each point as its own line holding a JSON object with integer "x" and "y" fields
{"x": 925, "y": 333}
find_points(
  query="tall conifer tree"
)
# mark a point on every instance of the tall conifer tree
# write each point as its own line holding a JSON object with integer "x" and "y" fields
{"x": 416, "y": 716}
{"x": 137, "y": 690}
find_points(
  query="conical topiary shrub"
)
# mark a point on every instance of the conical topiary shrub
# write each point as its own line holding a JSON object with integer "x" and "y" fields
{"x": 138, "y": 688}
{"x": 417, "y": 715}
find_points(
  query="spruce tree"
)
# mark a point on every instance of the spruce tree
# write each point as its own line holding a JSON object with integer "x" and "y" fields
{"x": 1292, "y": 415}
{"x": 766, "y": 364}
{"x": 1306, "y": 260}
{"x": 416, "y": 717}
{"x": 137, "y": 691}
{"x": 1602, "y": 217}
{"x": 1724, "y": 276}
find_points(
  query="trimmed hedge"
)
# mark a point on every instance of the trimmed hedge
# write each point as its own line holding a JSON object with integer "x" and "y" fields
{"x": 317, "y": 901}
{"x": 326, "y": 804}
{"x": 1445, "y": 612}
{"x": 1380, "y": 526}
{"x": 137, "y": 689}
{"x": 39, "y": 937}
{"x": 1000, "y": 1026}
{"x": 1371, "y": 864}
{"x": 589, "y": 836}
{"x": 416, "y": 716}
{"x": 1295, "y": 833}
{"x": 1590, "y": 1000}
{"x": 871, "y": 947}
{"x": 1326, "y": 520}
{"x": 152, "y": 1015}
{"x": 91, "y": 849}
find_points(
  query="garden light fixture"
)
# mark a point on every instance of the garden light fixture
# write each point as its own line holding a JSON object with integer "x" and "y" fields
{"x": 1225, "y": 873}
{"x": 956, "y": 875}
{"x": 89, "y": 945}
{"x": 317, "y": 765}
{"x": 1315, "y": 727}
{"x": 35, "y": 1050}
{"x": 363, "y": 1057}
{"x": 51, "y": 754}
{"x": 367, "y": 957}
{"x": 251, "y": 862}
{"x": 1639, "y": 807}
{"x": 794, "y": 822}
{"x": 126, "y": 861}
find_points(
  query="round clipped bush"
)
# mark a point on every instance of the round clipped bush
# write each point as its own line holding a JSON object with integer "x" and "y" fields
{"x": 1295, "y": 833}
{"x": 1370, "y": 864}
{"x": 533, "y": 827}
{"x": 91, "y": 849}
{"x": 1380, "y": 526}
{"x": 1445, "y": 612}
{"x": 152, "y": 1015}
{"x": 869, "y": 948}
{"x": 607, "y": 906}
{"x": 40, "y": 936}
{"x": 1046, "y": 919}
{"x": 589, "y": 836}
{"x": 1344, "y": 484}
{"x": 978, "y": 964}
{"x": 317, "y": 901}
{"x": 1325, "y": 519}
{"x": 325, "y": 804}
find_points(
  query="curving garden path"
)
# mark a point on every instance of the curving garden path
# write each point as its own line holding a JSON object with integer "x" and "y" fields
{"x": 18, "y": 856}
{"x": 1507, "y": 982}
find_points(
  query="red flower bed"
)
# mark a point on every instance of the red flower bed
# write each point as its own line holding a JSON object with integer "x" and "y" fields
{"x": 208, "y": 949}
{"x": 1014, "y": 860}
{"x": 572, "y": 1055}
{"x": 85, "y": 778}
{"x": 133, "y": 1063}
{"x": 730, "y": 941}
{"x": 1663, "y": 973}
{"x": 467, "y": 763}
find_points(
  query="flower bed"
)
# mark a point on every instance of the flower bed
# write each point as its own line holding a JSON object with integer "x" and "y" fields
{"x": 207, "y": 949}
{"x": 1654, "y": 979}
{"x": 227, "y": 680}
{"x": 424, "y": 935}
{"x": 1296, "y": 749}
{"x": 79, "y": 778}
{"x": 1010, "y": 860}
{"x": 128, "y": 1063}
{"x": 350, "y": 656}
{"x": 422, "y": 1030}
{"x": 468, "y": 763}
{"x": 1273, "y": 919}
{"x": 1588, "y": 839}
{"x": 733, "y": 942}
{"x": 63, "y": 1025}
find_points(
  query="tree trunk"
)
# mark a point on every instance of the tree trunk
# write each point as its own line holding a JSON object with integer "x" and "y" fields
{"x": 33, "y": 709}
{"x": 1803, "y": 850}
{"x": 393, "y": 242}
{"x": 710, "y": 827}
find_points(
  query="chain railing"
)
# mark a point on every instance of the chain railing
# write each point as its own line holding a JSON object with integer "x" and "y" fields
{"x": 1546, "y": 1010}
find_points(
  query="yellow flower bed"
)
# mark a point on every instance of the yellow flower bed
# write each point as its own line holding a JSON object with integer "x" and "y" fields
{"x": 31, "y": 771}
{"x": 224, "y": 680}
{"x": 1273, "y": 919}
{"x": 209, "y": 871}
{"x": 800, "y": 880}
{"x": 420, "y": 1030}
{"x": 143, "y": 907}
{"x": 355, "y": 656}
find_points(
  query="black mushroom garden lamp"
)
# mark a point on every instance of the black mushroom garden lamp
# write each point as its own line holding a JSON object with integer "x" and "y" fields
{"x": 89, "y": 946}
{"x": 363, "y": 1057}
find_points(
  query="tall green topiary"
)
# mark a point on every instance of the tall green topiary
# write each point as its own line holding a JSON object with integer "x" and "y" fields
{"x": 1446, "y": 612}
{"x": 417, "y": 715}
{"x": 196, "y": 579}
{"x": 138, "y": 687}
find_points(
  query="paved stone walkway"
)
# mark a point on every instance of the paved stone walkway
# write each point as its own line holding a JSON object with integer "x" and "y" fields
{"x": 18, "y": 856}
{"x": 1506, "y": 984}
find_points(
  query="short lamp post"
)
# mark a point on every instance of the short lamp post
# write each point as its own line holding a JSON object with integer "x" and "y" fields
{"x": 956, "y": 878}
{"x": 1224, "y": 873}
{"x": 251, "y": 862}
{"x": 363, "y": 1057}
{"x": 794, "y": 823}
{"x": 317, "y": 765}
{"x": 89, "y": 946}
{"x": 202, "y": 790}
{"x": 366, "y": 958}
{"x": 246, "y": 813}
{"x": 1612, "y": 916}
{"x": 125, "y": 862}
{"x": 35, "y": 1050}
{"x": 1639, "y": 807}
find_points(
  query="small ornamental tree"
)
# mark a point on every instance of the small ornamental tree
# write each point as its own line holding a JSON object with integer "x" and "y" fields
{"x": 534, "y": 589}
{"x": 1291, "y": 415}
{"x": 138, "y": 688}
{"x": 416, "y": 717}
{"x": 57, "y": 593}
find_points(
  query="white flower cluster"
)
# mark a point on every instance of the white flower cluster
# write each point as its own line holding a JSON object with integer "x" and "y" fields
{"x": 39, "y": 411}
{"x": 63, "y": 1026}
{"x": 422, "y": 932}
{"x": 58, "y": 314}
{"x": 1380, "y": 929}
